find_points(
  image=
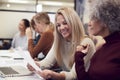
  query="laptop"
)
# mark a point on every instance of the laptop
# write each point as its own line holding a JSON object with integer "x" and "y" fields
{"x": 14, "y": 71}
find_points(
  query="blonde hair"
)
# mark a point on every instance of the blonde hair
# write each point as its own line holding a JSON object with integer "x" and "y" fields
{"x": 43, "y": 17}
{"x": 32, "y": 23}
{"x": 77, "y": 34}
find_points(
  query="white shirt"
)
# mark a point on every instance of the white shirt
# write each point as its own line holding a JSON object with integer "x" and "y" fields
{"x": 70, "y": 73}
{"x": 20, "y": 42}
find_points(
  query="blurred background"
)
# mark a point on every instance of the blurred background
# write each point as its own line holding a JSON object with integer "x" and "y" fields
{"x": 12, "y": 11}
{"x": 31, "y": 5}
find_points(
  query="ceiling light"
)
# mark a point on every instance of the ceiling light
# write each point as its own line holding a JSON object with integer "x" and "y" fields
{"x": 39, "y": 8}
{"x": 8, "y": 5}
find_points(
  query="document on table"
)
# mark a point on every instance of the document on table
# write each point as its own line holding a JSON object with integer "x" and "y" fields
{"x": 27, "y": 57}
{"x": 8, "y": 58}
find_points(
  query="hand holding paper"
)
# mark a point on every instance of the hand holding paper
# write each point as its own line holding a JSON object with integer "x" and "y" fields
{"x": 29, "y": 59}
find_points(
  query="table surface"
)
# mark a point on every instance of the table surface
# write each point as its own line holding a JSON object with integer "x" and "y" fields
{"x": 12, "y": 58}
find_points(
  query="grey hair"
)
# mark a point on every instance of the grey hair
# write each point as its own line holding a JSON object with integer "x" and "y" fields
{"x": 107, "y": 12}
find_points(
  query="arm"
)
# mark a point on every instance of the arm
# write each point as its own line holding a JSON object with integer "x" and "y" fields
{"x": 83, "y": 56}
{"x": 69, "y": 75}
{"x": 13, "y": 40}
{"x": 79, "y": 66}
{"x": 13, "y": 43}
{"x": 49, "y": 60}
{"x": 49, "y": 74}
{"x": 82, "y": 64}
{"x": 44, "y": 42}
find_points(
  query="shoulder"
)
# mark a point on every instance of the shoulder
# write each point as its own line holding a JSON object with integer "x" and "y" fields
{"x": 48, "y": 33}
{"x": 87, "y": 40}
{"x": 17, "y": 35}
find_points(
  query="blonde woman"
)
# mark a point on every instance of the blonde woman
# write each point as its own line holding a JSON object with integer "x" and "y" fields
{"x": 69, "y": 33}
{"x": 41, "y": 24}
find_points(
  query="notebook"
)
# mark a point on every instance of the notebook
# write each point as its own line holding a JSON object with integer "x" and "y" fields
{"x": 13, "y": 71}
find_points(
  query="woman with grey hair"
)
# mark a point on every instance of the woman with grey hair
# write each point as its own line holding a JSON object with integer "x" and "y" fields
{"x": 105, "y": 63}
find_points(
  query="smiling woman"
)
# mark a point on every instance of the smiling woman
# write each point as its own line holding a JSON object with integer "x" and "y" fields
{"x": 69, "y": 33}
{"x": 63, "y": 28}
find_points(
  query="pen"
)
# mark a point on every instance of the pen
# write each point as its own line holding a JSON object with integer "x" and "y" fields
{"x": 5, "y": 56}
{"x": 18, "y": 58}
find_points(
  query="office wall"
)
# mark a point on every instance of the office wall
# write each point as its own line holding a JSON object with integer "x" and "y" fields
{"x": 9, "y": 22}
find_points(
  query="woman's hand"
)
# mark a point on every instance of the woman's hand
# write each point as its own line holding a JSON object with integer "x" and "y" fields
{"x": 49, "y": 74}
{"x": 36, "y": 59}
{"x": 31, "y": 68}
{"x": 83, "y": 48}
{"x": 46, "y": 74}
{"x": 29, "y": 33}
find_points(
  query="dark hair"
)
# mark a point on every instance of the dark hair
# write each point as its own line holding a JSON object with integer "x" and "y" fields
{"x": 26, "y": 23}
{"x": 108, "y": 12}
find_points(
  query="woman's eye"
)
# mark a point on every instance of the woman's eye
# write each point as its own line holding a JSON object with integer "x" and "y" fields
{"x": 64, "y": 23}
{"x": 58, "y": 25}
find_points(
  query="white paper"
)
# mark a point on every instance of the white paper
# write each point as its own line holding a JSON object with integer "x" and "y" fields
{"x": 26, "y": 55}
